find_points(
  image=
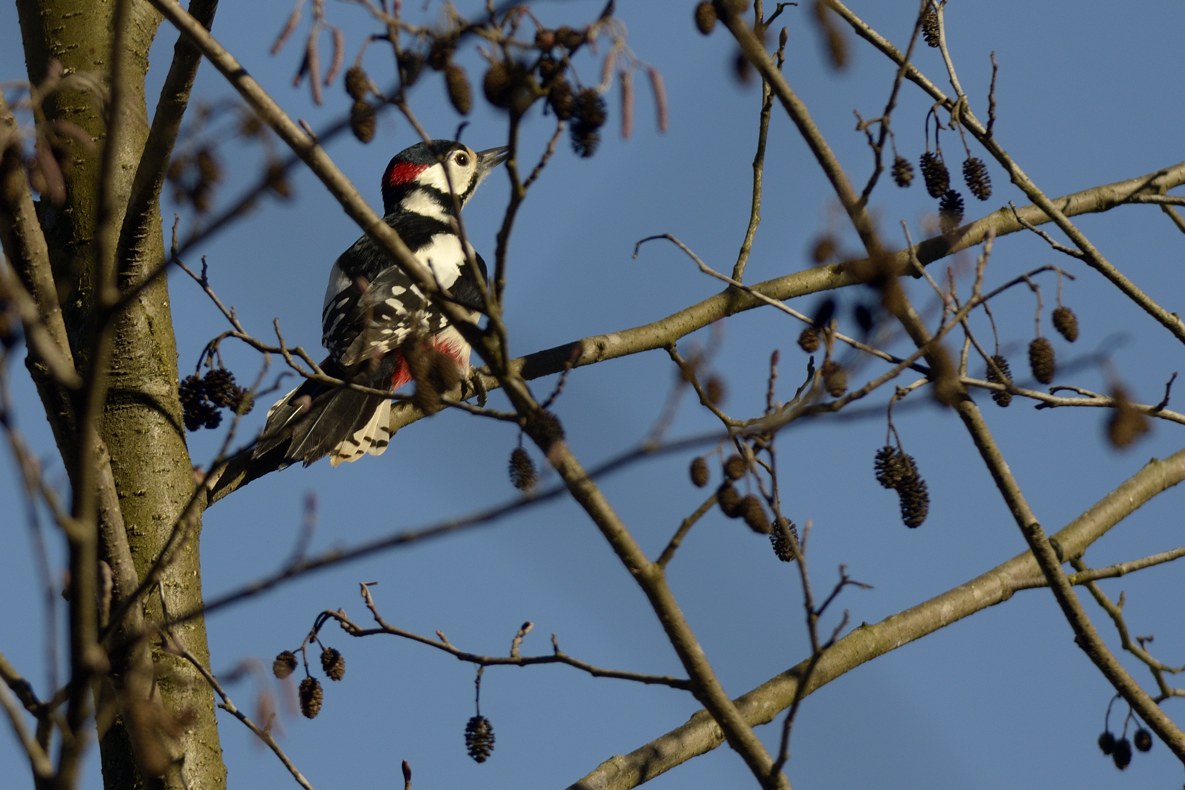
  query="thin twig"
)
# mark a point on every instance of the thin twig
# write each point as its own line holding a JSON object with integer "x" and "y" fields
{"x": 228, "y": 705}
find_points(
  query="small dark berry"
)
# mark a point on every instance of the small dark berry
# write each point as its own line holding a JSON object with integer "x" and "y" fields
{"x": 699, "y": 472}
{"x": 1142, "y": 740}
{"x": 1107, "y": 742}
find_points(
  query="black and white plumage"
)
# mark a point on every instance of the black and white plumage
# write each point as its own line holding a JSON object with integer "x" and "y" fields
{"x": 372, "y": 308}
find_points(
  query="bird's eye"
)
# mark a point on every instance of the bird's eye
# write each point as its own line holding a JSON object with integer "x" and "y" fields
{"x": 462, "y": 159}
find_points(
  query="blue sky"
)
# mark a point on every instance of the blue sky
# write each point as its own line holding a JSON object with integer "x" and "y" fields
{"x": 1086, "y": 96}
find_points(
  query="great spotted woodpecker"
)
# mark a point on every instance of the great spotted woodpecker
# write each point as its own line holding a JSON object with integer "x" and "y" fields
{"x": 376, "y": 321}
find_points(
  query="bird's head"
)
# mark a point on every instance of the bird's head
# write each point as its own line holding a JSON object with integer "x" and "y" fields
{"x": 444, "y": 173}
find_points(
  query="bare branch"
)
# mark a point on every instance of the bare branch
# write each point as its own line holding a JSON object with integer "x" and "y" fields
{"x": 866, "y": 643}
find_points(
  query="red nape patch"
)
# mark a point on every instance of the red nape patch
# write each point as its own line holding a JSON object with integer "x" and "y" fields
{"x": 402, "y": 173}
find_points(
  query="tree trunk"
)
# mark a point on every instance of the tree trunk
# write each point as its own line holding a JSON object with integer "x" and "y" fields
{"x": 149, "y": 477}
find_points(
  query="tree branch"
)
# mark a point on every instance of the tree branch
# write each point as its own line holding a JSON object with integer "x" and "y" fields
{"x": 143, "y": 211}
{"x": 1052, "y": 208}
{"x": 241, "y": 469}
{"x": 764, "y": 703}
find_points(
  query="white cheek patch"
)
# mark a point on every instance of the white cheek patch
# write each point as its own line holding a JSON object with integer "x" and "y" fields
{"x": 461, "y": 178}
{"x": 434, "y": 178}
{"x": 456, "y": 182}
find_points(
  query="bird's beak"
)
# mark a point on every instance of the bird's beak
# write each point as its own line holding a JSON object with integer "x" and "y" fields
{"x": 490, "y": 158}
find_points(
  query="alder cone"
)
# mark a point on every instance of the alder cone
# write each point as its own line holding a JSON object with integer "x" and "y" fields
{"x": 284, "y": 664}
{"x": 934, "y": 174}
{"x": 902, "y": 171}
{"x": 311, "y": 696}
{"x": 1042, "y": 361}
{"x": 783, "y": 539}
{"x": 521, "y": 467}
{"x": 976, "y": 177}
{"x": 459, "y": 92}
{"x": 479, "y": 738}
{"x": 915, "y": 501}
{"x": 1003, "y": 398}
{"x": 705, "y": 17}
{"x": 333, "y": 663}
{"x": 808, "y": 340}
{"x": 1066, "y": 323}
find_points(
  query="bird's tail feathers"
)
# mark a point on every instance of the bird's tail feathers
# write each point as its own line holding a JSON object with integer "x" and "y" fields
{"x": 317, "y": 419}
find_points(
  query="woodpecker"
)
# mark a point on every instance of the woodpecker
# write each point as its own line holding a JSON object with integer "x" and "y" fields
{"x": 376, "y": 322}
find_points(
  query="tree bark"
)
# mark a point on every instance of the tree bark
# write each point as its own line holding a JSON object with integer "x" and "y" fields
{"x": 145, "y": 477}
